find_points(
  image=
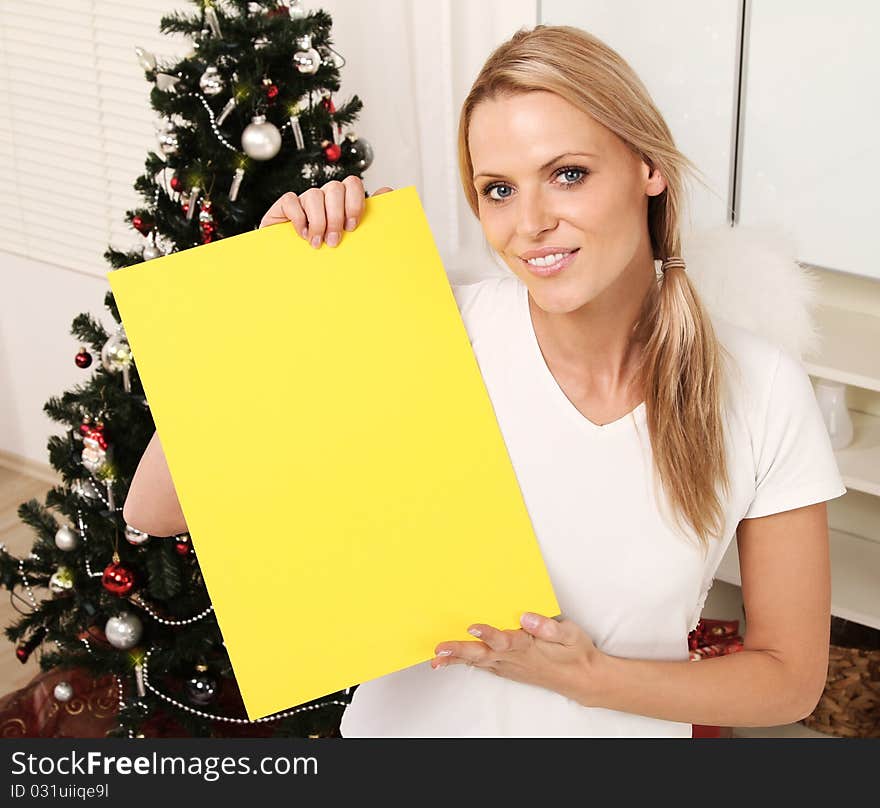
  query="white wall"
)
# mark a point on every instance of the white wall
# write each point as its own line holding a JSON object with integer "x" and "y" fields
{"x": 38, "y": 303}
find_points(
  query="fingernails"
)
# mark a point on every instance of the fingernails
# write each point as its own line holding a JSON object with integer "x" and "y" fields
{"x": 304, "y": 233}
{"x": 332, "y": 239}
{"x": 350, "y": 224}
{"x": 529, "y": 620}
{"x": 475, "y": 631}
{"x": 316, "y": 241}
{"x": 445, "y": 652}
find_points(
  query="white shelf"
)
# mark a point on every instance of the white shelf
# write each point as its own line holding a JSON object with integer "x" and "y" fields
{"x": 859, "y": 463}
{"x": 855, "y": 577}
{"x": 847, "y": 353}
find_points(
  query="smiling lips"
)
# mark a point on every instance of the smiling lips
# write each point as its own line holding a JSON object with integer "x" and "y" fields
{"x": 550, "y": 263}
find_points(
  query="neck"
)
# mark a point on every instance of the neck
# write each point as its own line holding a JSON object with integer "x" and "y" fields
{"x": 595, "y": 343}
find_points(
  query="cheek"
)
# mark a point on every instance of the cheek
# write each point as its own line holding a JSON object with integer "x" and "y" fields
{"x": 496, "y": 228}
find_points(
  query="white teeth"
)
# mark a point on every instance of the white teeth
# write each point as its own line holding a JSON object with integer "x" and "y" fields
{"x": 547, "y": 260}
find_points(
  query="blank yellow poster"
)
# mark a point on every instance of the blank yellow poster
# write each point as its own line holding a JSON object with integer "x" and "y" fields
{"x": 347, "y": 490}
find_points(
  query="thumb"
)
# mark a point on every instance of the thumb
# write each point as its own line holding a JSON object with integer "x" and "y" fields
{"x": 544, "y": 628}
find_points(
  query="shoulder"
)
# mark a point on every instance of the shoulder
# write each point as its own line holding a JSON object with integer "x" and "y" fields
{"x": 760, "y": 371}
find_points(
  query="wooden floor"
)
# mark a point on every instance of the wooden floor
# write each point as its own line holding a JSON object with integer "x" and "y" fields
{"x": 15, "y": 489}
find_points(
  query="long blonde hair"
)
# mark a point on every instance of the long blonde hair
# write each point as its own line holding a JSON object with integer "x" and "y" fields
{"x": 681, "y": 368}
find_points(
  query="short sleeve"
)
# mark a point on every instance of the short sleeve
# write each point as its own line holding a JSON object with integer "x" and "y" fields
{"x": 795, "y": 464}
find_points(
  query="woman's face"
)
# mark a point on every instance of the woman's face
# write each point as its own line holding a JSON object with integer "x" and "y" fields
{"x": 550, "y": 176}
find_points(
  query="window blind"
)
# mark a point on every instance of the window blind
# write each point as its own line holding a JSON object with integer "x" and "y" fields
{"x": 76, "y": 124}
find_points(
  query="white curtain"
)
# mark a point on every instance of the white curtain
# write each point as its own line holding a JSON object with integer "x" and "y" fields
{"x": 77, "y": 123}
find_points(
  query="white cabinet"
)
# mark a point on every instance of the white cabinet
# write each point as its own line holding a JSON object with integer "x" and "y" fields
{"x": 686, "y": 54}
{"x": 793, "y": 149}
{"x": 810, "y": 128}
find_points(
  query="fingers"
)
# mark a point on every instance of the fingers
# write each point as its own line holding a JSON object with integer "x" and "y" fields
{"x": 320, "y": 214}
{"x": 462, "y": 653}
{"x": 498, "y": 640}
{"x": 313, "y": 204}
{"x": 493, "y": 643}
{"x": 287, "y": 208}
{"x": 354, "y": 201}
{"x": 564, "y": 632}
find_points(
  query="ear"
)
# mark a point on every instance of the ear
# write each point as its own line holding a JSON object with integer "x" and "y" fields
{"x": 655, "y": 182}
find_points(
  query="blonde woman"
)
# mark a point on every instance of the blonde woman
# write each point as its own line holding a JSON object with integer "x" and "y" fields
{"x": 643, "y": 435}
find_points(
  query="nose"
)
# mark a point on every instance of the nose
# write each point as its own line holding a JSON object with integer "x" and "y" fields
{"x": 534, "y": 215}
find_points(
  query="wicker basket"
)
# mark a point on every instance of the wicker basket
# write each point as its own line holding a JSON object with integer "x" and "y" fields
{"x": 850, "y": 704}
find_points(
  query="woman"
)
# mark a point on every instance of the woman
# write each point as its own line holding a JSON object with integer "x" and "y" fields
{"x": 643, "y": 435}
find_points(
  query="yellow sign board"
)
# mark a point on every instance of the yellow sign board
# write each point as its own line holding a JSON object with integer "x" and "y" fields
{"x": 344, "y": 480}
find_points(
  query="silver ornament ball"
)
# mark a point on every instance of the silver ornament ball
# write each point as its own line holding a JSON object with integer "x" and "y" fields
{"x": 63, "y": 691}
{"x": 116, "y": 353}
{"x": 66, "y": 539}
{"x": 150, "y": 252}
{"x": 211, "y": 81}
{"x": 123, "y": 631}
{"x": 296, "y": 11}
{"x": 358, "y": 150}
{"x": 307, "y": 59}
{"x": 135, "y": 536}
{"x": 261, "y": 140}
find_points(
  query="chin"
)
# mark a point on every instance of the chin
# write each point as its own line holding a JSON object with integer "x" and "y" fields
{"x": 555, "y": 298}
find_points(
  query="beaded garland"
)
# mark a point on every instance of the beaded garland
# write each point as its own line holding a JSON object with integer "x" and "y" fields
{"x": 227, "y": 719}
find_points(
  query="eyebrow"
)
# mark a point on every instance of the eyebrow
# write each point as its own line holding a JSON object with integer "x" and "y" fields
{"x": 543, "y": 167}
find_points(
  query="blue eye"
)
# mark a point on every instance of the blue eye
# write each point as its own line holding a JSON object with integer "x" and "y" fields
{"x": 486, "y": 192}
{"x": 575, "y": 171}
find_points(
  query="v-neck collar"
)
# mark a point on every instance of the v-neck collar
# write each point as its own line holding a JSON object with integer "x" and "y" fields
{"x": 549, "y": 381}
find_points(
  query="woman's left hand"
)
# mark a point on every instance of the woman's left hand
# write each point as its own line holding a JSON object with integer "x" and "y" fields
{"x": 556, "y": 655}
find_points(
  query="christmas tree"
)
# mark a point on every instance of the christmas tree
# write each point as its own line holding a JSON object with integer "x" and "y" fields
{"x": 247, "y": 116}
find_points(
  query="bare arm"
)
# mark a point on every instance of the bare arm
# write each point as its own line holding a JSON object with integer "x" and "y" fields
{"x": 152, "y": 505}
{"x": 779, "y": 675}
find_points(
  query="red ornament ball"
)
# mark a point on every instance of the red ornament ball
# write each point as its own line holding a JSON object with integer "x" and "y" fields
{"x": 333, "y": 152}
{"x": 141, "y": 225}
{"x": 271, "y": 92}
{"x": 176, "y": 183}
{"x": 83, "y": 359}
{"x": 182, "y": 545}
{"x": 117, "y": 579}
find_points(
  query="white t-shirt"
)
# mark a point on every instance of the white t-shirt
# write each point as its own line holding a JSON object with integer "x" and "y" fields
{"x": 619, "y": 570}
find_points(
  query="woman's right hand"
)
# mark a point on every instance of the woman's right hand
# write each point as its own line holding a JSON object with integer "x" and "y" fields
{"x": 326, "y": 210}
